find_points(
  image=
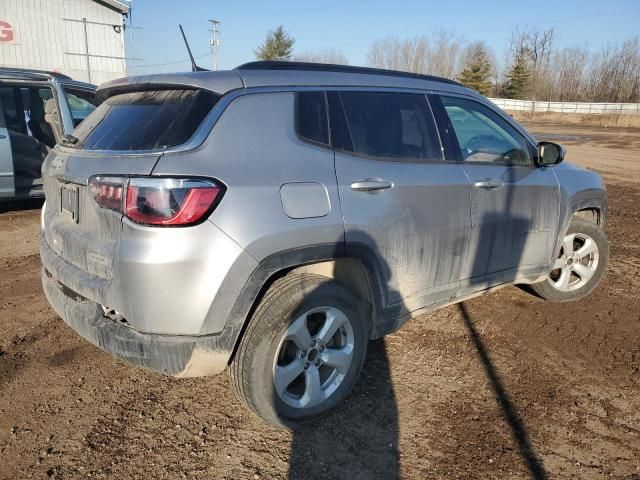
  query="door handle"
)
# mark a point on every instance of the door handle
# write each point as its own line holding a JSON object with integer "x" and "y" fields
{"x": 2, "y": 137}
{"x": 370, "y": 185}
{"x": 489, "y": 184}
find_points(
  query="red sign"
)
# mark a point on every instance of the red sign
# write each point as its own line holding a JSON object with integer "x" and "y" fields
{"x": 6, "y": 32}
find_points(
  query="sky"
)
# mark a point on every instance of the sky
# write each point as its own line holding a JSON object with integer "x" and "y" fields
{"x": 352, "y": 26}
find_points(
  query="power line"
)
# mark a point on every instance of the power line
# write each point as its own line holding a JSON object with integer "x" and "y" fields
{"x": 553, "y": 21}
{"x": 171, "y": 63}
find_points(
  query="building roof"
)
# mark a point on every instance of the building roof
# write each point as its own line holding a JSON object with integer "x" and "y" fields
{"x": 119, "y": 5}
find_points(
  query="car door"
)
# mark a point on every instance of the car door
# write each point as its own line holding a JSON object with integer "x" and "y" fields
{"x": 7, "y": 188}
{"x": 77, "y": 105}
{"x": 514, "y": 204}
{"x": 400, "y": 200}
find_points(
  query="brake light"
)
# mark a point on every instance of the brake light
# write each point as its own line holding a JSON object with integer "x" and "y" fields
{"x": 108, "y": 191}
{"x": 156, "y": 201}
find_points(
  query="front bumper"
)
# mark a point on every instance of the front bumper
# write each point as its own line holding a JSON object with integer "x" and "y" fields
{"x": 175, "y": 355}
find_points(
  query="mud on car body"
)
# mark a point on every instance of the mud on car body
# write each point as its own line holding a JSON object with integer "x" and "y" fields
{"x": 274, "y": 218}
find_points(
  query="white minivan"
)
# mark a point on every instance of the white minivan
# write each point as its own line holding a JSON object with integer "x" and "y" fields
{"x": 37, "y": 110}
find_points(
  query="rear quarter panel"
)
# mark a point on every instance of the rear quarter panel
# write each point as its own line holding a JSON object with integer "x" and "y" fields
{"x": 254, "y": 151}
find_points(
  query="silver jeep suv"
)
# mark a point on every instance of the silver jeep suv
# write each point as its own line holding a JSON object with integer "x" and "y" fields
{"x": 274, "y": 218}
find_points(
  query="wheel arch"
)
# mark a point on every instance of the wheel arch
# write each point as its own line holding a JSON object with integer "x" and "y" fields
{"x": 592, "y": 214}
{"x": 357, "y": 271}
{"x": 589, "y": 205}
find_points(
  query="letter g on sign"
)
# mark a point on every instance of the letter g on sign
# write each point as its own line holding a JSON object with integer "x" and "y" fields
{"x": 6, "y": 32}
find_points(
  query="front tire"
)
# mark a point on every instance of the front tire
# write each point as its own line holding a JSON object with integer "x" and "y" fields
{"x": 580, "y": 265}
{"x": 302, "y": 352}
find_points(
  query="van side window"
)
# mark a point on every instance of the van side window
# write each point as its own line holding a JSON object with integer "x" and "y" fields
{"x": 14, "y": 121}
{"x": 41, "y": 114}
{"x": 484, "y": 136}
{"x": 391, "y": 126}
{"x": 311, "y": 117}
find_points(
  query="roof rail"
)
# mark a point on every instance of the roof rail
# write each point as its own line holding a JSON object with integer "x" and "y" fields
{"x": 27, "y": 72}
{"x": 328, "y": 67}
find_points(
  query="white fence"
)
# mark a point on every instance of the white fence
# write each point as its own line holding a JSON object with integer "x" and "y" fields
{"x": 568, "y": 107}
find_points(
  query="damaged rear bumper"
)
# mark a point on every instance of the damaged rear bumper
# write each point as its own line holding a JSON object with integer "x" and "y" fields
{"x": 175, "y": 355}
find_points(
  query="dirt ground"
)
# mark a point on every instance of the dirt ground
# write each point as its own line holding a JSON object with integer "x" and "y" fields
{"x": 503, "y": 386}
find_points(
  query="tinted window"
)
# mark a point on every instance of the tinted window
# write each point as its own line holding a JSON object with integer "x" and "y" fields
{"x": 24, "y": 112}
{"x": 14, "y": 121}
{"x": 483, "y": 135}
{"x": 81, "y": 103}
{"x": 145, "y": 120}
{"x": 311, "y": 117}
{"x": 391, "y": 125}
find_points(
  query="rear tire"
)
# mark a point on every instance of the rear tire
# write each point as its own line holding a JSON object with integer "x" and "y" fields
{"x": 302, "y": 351}
{"x": 580, "y": 265}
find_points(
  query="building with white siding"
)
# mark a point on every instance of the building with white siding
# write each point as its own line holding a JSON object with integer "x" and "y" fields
{"x": 80, "y": 38}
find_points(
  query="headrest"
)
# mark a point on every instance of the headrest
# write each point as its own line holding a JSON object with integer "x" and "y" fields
{"x": 50, "y": 106}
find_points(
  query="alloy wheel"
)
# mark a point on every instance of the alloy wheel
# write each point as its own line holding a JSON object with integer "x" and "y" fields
{"x": 576, "y": 264}
{"x": 314, "y": 356}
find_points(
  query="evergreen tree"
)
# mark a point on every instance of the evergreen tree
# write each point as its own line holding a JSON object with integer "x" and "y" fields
{"x": 477, "y": 70}
{"x": 519, "y": 76}
{"x": 278, "y": 45}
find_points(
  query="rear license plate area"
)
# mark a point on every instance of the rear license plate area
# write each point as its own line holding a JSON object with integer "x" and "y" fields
{"x": 69, "y": 202}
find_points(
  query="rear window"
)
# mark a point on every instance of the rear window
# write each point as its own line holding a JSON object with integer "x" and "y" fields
{"x": 145, "y": 120}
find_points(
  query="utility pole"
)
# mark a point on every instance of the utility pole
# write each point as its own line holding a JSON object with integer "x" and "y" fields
{"x": 214, "y": 42}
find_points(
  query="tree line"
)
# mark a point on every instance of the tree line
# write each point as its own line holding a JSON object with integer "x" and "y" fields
{"x": 534, "y": 67}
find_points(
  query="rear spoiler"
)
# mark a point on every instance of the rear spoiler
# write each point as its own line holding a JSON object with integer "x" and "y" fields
{"x": 219, "y": 82}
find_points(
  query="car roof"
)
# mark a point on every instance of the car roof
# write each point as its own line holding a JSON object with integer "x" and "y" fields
{"x": 23, "y": 74}
{"x": 28, "y": 74}
{"x": 286, "y": 74}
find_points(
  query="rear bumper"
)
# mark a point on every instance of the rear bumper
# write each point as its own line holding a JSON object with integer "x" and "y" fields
{"x": 175, "y": 355}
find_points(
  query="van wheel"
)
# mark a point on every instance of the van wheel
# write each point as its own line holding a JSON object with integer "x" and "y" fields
{"x": 580, "y": 265}
{"x": 302, "y": 351}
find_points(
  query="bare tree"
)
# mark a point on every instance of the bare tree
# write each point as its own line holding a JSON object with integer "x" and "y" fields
{"x": 569, "y": 74}
{"x": 409, "y": 55}
{"x": 537, "y": 47}
{"x": 438, "y": 56}
{"x": 444, "y": 53}
{"x": 327, "y": 55}
{"x": 533, "y": 67}
{"x": 614, "y": 75}
{"x": 541, "y": 49}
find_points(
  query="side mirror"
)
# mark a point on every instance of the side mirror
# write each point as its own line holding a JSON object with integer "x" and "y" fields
{"x": 550, "y": 154}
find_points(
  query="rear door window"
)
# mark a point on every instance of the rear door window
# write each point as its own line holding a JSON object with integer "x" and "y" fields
{"x": 145, "y": 120}
{"x": 391, "y": 126}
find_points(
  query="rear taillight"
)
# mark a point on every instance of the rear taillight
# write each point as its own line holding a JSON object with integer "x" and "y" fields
{"x": 157, "y": 201}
